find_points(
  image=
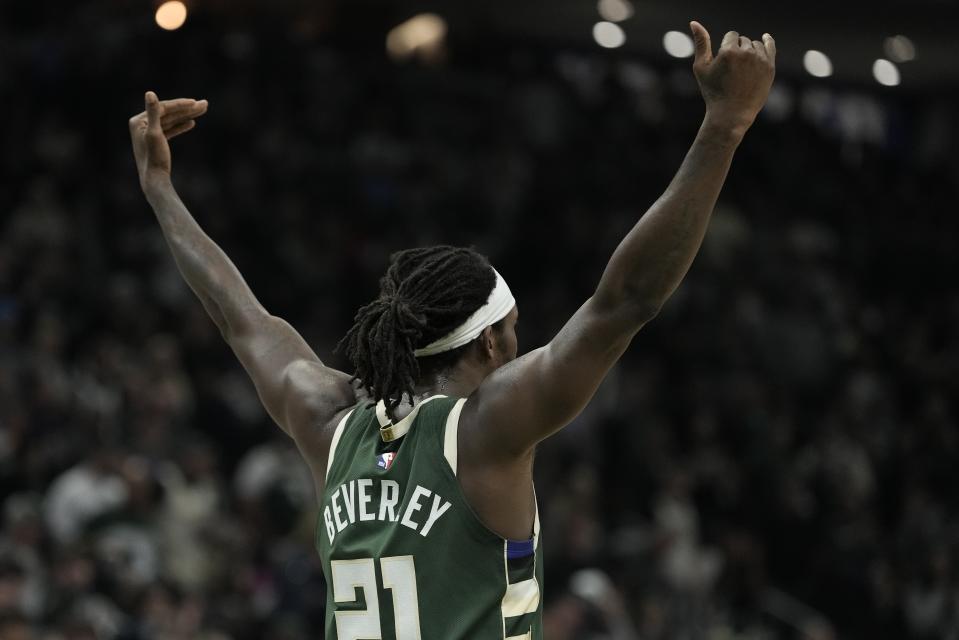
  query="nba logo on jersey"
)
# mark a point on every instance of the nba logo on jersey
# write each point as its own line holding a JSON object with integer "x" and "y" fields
{"x": 385, "y": 460}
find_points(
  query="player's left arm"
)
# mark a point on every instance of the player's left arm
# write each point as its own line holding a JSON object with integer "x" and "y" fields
{"x": 530, "y": 398}
{"x": 298, "y": 391}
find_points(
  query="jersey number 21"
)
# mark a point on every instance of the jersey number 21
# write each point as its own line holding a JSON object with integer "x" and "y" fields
{"x": 399, "y": 576}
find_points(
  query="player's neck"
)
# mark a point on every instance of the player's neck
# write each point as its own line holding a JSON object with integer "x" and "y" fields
{"x": 458, "y": 382}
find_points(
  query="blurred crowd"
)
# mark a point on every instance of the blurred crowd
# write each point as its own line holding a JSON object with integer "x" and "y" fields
{"x": 777, "y": 456}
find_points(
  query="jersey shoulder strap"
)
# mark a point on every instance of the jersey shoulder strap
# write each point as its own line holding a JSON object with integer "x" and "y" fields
{"x": 434, "y": 419}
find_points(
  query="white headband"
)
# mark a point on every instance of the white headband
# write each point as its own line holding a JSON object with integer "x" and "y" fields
{"x": 500, "y": 303}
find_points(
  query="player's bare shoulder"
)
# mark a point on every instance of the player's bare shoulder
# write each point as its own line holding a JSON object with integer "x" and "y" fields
{"x": 316, "y": 398}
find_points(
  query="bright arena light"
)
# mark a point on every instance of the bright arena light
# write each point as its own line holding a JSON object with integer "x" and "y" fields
{"x": 615, "y": 10}
{"x": 885, "y": 72}
{"x": 900, "y": 49}
{"x": 423, "y": 33}
{"x": 817, "y": 64}
{"x": 609, "y": 35}
{"x": 678, "y": 44}
{"x": 171, "y": 15}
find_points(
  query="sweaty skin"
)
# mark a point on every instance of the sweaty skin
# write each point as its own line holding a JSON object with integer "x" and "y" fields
{"x": 513, "y": 403}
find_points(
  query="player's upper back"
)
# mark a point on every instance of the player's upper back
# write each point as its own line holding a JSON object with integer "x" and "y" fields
{"x": 404, "y": 555}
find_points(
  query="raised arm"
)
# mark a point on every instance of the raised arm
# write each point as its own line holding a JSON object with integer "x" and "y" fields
{"x": 298, "y": 391}
{"x": 530, "y": 398}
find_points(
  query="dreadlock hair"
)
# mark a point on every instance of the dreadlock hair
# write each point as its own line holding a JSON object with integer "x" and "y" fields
{"x": 425, "y": 294}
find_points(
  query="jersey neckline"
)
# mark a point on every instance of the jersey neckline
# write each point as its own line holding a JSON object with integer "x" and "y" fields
{"x": 389, "y": 430}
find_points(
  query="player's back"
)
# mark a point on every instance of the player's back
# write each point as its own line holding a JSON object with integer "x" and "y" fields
{"x": 405, "y": 557}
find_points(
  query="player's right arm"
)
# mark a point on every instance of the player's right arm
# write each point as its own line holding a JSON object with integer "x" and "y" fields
{"x": 299, "y": 392}
{"x": 525, "y": 401}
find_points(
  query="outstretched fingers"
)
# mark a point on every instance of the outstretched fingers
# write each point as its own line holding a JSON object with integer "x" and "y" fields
{"x": 177, "y": 110}
{"x": 183, "y": 114}
{"x": 167, "y": 117}
{"x": 177, "y": 104}
{"x": 182, "y": 127}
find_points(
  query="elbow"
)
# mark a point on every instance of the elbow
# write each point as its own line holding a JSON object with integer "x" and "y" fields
{"x": 643, "y": 310}
{"x": 638, "y": 308}
{"x": 219, "y": 319}
{"x": 643, "y": 300}
{"x": 639, "y": 298}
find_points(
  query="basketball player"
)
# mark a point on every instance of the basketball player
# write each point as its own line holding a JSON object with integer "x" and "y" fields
{"x": 423, "y": 461}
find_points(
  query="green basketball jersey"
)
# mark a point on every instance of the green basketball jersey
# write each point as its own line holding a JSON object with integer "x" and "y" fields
{"x": 404, "y": 555}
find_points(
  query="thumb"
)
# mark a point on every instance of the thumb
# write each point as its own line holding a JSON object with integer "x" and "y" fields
{"x": 704, "y": 47}
{"x": 153, "y": 109}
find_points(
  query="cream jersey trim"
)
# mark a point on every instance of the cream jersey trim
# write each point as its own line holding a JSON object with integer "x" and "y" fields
{"x": 450, "y": 435}
{"x": 390, "y": 430}
{"x": 336, "y": 441}
{"x": 521, "y": 598}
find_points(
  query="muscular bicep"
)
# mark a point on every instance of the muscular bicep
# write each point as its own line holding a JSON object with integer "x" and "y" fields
{"x": 534, "y": 396}
{"x": 296, "y": 388}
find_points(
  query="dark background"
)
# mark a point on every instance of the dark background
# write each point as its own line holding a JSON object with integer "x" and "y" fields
{"x": 776, "y": 455}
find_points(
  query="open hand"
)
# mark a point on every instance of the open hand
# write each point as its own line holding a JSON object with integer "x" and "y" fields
{"x": 736, "y": 81}
{"x": 151, "y": 129}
